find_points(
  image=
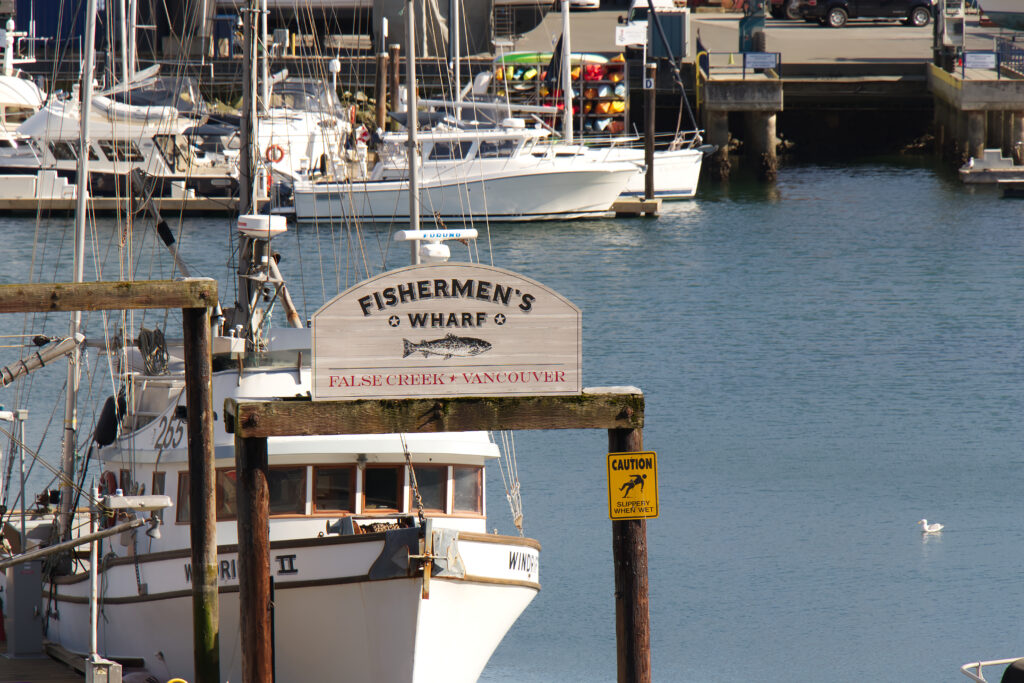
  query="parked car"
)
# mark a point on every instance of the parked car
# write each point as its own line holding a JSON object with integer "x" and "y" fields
{"x": 835, "y": 13}
{"x": 785, "y": 9}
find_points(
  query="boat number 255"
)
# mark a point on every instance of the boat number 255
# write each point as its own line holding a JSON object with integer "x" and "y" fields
{"x": 169, "y": 433}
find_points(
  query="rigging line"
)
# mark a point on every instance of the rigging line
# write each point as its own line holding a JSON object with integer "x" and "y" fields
{"x": 412, "y": 476}
{"x": 58, "y": 475}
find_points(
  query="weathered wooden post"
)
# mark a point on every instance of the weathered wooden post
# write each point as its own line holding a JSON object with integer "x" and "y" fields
{"x": 649, "y": 102}
{"x": 202, "y": 492}
{"x": 629, "y": 553}
{"x": 393, "y": 66}
{"x": 252, "y": 468}
{"x": 381, "y": 94}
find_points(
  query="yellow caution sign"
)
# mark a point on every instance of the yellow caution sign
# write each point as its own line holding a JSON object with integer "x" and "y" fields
{"x": 633, "y": 485}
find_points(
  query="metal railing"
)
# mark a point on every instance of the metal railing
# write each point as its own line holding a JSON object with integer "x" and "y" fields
{"x": 1011, "y": 54}
{"x": 978, "y": 666}
{"x": 738, "y": 62}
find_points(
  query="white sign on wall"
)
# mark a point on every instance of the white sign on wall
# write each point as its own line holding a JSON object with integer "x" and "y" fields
{"x": 451, "y": 329}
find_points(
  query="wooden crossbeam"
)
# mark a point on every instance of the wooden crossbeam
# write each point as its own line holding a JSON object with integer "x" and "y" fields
{"x": 97, "y": 296}
{"x": 607, "y": 408}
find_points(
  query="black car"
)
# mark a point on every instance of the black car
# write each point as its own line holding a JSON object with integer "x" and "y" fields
{"x": 835, "y": 13}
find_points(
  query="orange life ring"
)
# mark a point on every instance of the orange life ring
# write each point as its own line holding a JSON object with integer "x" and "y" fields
{"x": 274, "y": 154}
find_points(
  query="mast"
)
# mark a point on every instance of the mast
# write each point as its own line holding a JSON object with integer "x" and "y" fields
{"x": 455, "y": 50}
{"x": 566, "y": 75}
{"x": 246, "y": 160}
{"x": 74, "y": 357}
{"x": 130, "y": 37}
{"x": 412, "y": 123}
{"x": 264, "y": 60}
{"x": 122, "y": 18}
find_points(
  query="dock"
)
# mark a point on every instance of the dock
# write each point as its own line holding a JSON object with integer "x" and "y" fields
{"x": 105, "y": 205}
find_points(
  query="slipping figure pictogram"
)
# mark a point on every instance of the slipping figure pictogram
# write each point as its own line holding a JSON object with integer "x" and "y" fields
{"x": 636, "y": 479}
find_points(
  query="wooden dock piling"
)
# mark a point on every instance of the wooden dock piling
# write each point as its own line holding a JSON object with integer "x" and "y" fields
{"x": 629, "y": 551}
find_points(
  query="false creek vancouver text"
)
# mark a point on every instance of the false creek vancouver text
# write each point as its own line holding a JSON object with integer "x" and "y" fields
{"x": 444, "y": 289}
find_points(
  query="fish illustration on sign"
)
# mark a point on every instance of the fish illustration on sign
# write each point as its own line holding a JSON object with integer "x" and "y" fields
{"x": 447, "y": 347}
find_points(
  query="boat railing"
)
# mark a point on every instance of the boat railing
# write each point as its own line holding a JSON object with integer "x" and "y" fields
{"x": 978, "y": 666}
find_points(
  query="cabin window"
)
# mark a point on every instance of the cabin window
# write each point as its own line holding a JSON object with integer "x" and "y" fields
{"x": 287, "y": 490}
{"x": 63, "y": 150}
{"x": 227, "y": 494}
{"x": 467, "y": 482}
{"x": 16, "y": 115}
{"x": 124, "y": 481}
{"x": 159, "y": 482}
{"x": 433, "y": 485}
{"x": 382, "y": 488}
{"x": 224, "y": 501}
{"x": 120, "y": 150}
{"x": 493, "y": 149}
{"x": 335, "y": 489}
{"x": 441, "y": 151}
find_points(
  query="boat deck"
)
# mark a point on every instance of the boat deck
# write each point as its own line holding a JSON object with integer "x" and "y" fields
{"x": 40, "y": 669}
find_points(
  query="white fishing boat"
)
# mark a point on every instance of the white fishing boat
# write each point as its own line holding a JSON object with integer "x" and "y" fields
{"x": 503, "y": 173}
{"x": 383, "y": 566}
{"x": 351, "y": 599}
{"x": 1006, "y": 13}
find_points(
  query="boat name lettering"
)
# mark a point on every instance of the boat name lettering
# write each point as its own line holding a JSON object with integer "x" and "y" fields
{"x": 169, "y": 433}
{"x": 633, "y": 464}
{"x": 523, "y": 562}
{"x": 454, "y": 288}
{"x": 426, "y": 379}
{"x": 286, "y": 564}
{"x": 227, "y": 570}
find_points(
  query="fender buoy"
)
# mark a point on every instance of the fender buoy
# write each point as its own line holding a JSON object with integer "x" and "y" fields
{"x": 274, "y": 154}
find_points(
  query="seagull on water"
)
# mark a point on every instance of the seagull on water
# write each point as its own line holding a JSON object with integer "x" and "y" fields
{"x": 927, "y": 528}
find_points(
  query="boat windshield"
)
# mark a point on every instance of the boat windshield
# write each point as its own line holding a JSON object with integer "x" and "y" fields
{"x": 165, "y": 91}
{"x": 494, "y": 149}
{"x": 305, "y": 95}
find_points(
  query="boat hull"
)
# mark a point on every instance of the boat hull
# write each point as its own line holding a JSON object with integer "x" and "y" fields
{"x": 511, "y": 197}
{"x": 340, "y": 612}
{"x": 676, "y": 174}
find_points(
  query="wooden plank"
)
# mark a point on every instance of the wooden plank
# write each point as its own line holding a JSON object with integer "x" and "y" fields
{"x": 96, "y": 296}
{"x": 594, "y": 409}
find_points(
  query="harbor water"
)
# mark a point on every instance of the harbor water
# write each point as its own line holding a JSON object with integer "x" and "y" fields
{"x": 825, "y": 361}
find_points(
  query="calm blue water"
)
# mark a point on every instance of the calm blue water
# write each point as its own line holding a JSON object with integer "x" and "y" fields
{"x": 824, "y": 361}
